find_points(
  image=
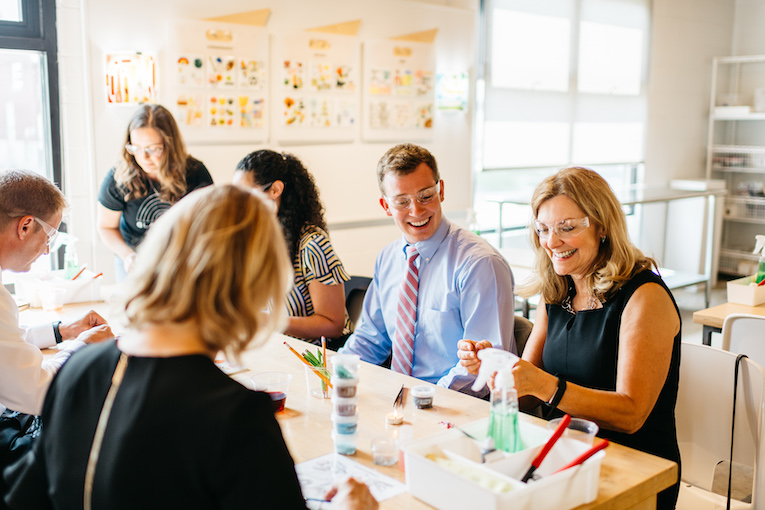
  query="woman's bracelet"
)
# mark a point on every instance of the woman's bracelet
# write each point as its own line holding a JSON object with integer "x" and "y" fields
{"x": 552, "y": 404}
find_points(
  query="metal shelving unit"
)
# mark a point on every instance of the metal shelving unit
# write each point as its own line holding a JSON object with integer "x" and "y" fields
{"x": 736, "y": 154}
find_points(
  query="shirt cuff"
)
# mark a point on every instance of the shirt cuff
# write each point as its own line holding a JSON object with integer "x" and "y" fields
{"x": 41, "y": 336}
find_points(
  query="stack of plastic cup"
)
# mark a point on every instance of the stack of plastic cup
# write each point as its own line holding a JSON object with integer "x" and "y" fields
{"x": 345, "y": 415}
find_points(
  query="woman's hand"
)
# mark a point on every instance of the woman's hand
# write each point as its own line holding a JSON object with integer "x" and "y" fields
{"x": 351, "y": 495}
{"x": 128, "y": 261}
{"x": 531, "y": 380}
{"x": 468, "y": 354}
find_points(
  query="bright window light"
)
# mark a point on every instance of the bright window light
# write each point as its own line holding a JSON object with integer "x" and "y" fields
{"x": 607, "y": 142}
{"x": 10, "y": 10}
{"x": 610, "y": 59}
{"x": 530, "y": 51}
{"x": 519, "y": 144}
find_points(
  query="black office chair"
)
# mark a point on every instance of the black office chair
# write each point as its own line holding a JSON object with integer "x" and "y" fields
{"x": 355, "y": 289}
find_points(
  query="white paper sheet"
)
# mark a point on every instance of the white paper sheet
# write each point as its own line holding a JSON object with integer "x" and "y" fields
{"x": 317, "y": 475}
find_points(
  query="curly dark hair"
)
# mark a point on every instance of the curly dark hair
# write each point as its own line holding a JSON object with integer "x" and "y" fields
{"x": 300, "y": 204}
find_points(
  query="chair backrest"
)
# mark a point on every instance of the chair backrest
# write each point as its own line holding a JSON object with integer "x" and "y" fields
{"x": 355, "y": 289}
{"x": 745, "y": 334}
{"x": 521, "y": 331}
{"x": 704, "y": 413}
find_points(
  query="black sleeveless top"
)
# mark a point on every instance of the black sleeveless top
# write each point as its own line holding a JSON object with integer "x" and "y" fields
{"x": 584, "y": 349}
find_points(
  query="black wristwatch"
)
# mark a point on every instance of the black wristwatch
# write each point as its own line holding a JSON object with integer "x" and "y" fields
{"x": 57, "y": 332}
{"x": 552, "y": 404}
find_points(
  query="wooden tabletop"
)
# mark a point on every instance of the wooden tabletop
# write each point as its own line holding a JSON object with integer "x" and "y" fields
{"x": 629, "y": 479}
{"x": 715, "y": 316}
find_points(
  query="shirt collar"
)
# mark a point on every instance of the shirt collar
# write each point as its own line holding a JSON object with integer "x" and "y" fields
{"x": 428, "y": 247}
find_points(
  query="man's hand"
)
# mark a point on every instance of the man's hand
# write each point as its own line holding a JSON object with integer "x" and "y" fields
{"x": 96, "y": 334}
{"x": 88, "y": 321}
{"x": 468, "y": 354}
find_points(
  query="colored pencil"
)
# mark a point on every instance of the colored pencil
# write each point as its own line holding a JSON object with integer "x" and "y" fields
{"x": 300, "y": 356}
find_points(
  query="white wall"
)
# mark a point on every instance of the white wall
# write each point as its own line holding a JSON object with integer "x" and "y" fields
{"x": 94, "y": 130}
{"x": 686, "y": 35}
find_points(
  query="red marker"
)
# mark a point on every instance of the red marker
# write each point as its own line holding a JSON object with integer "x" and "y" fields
{"x": 547, "y": 447}
{"x": 586, "y": 455}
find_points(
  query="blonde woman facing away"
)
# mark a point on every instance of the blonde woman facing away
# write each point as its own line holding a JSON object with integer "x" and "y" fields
{"x": 606, "y": 339}
{"x": 148, "y": 421}
{"x": 153, "y": 173}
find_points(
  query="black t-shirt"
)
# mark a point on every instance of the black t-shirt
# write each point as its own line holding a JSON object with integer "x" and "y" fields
{"x": 140, "y": 213}
{"x": 181, "y": 434}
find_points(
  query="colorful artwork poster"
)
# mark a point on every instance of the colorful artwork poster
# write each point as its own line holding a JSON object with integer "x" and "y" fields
{"x": 294, "y": 111}
{"x": 191, "y": 71}
{"x": 344, "y": 79}
{"x": 423, "y": 82}
{"x": 252, "y": 111}
{"x": 252, "y": 74}
{"x": 345, "y": 113}
{"x": 221, "y": 71}
{"x": 402, "y": 82}
{"x": 452, "y": 91}
{"x": 320, "y": 77}
{"x": 423, "y": 116}
{"x": 293, "y": 75}
{"x": 320, "y": 112}
{"x": 381, "y": 82}
{"x": 131, "y": 78}
{"x": 190, "y": 110}
{"x": 401, "y": 115}
{"x": 380, "y": 115}
{"x": 222, "y": 110}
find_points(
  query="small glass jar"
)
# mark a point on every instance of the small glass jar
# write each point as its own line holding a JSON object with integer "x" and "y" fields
{"x": 423, "y": 396}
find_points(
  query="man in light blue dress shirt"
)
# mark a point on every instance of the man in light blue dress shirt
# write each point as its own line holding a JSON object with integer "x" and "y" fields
{"x": 465, "y": 285}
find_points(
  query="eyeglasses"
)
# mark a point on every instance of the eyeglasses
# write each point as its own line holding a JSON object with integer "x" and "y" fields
{"x": 565, "y": 229}
{"x": 423, "y": 197}
{"x": 151, "y": 150}
{"x": 51, "y": 232}
{"x": 266, "y": 187}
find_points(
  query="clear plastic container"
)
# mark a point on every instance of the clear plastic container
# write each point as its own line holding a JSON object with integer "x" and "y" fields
{"x": 345, "y": 388}
{"x": 423, "y": 396}
{"x": 344, "y": 406}
{"x": 345, "y": 424}
{"x": 345, "y": 444}
{"x": 346, "y": 366}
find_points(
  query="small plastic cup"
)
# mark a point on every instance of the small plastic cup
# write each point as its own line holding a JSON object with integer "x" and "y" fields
{"x": 344, "y": 406}
{"x": 276, "y": 384}
{"x": 346, "y": 366}
{"x": 345, "y": 424}
{"x": 52, "y": 298}
{"x": 579, "y": 428}
{"x": 345, "y": 444}
{"x": 384, "y": 450}
{"x": 316, "y": 385}
{"x": 423, "y": 396}
{"x": 345, "y": 388}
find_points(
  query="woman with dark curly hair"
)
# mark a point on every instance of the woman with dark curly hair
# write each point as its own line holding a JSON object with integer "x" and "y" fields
{"x": 153, "y": 173}
{"x": 317, "y": 301}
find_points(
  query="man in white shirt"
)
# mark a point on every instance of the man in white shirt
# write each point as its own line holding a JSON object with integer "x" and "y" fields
{"x": 31, "y": 208}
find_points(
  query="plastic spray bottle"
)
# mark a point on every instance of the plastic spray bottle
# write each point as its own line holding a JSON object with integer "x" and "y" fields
{"x": 760, "y": 248}
{"x": 503, "y": 417}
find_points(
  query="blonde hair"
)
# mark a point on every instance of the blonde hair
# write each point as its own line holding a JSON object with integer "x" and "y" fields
{"x": 216, "y": 260}
{"x": 618, "y": 259}
{"x": 172, "y": 172}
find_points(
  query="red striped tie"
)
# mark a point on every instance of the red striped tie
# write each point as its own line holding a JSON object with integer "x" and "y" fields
{"x": 403, "y": 344}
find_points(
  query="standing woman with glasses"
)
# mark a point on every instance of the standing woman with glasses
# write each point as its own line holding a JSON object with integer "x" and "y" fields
{"x": 153, "y": 173}
{"x": 606, "y": 339}
{"x": 316, "y": 303}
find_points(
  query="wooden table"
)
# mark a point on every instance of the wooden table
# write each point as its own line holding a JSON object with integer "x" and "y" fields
{"x": 712, "y": 318}
{"x": 629, "y": 479}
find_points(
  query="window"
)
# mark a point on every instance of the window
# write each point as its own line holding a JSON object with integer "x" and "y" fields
{"x": 29, "y": 131}
{"x": 564, "y": 85}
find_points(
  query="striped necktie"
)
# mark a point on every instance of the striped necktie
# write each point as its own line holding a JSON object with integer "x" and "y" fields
{"x": 406, "y": 316}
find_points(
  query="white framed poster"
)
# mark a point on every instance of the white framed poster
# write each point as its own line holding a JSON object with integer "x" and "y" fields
{"x": 399, "y": 91}
{"x": 315, "y": 87}
{"x": 131, "y": 78}
{"x": 218, "y": 81}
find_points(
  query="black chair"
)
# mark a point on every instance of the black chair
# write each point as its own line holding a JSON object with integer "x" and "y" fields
{"x": 355, "y": 289}
{"x": 521, "y": 331}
